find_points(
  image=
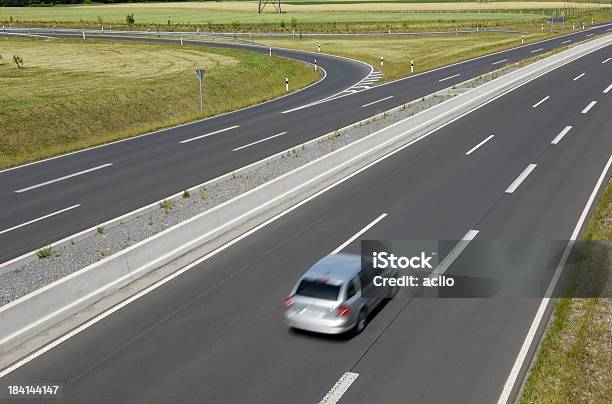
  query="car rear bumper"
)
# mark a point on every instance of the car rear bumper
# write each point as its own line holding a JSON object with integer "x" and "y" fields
{"x": 317, "y": 326}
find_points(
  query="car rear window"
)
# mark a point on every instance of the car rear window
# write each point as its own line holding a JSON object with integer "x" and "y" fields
{"x": 318, "y": 290}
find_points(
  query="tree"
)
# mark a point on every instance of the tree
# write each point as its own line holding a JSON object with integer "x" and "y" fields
{"x": 18, "y": 61}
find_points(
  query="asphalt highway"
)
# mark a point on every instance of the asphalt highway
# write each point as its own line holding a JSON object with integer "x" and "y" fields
{"x": 40, "y": 200}
{"x": 215, "y": 333}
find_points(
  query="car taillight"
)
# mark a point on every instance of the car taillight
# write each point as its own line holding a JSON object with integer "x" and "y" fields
{"x": 288, "y": 302}
{"x": 344, "y": 310}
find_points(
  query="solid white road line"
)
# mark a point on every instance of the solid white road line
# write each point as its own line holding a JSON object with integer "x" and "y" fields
{"x": 63, "y": 178}
{"x": 568, "y": 41}
{"x": 358, "y": 234}
{"x": 522, "y": 355}
{"x": 209, "y": 134}
{"x": 537, "y": 50}
{"x": 540, "y": 102}
{"x": 374, "y": 102}
{"x": 520, "y": 178}
{"x": 40, "y": 218}
{"x": 607, "y": 90}
{"x": 450, "y": 77}
{"x": 500, "y": 61}
{"x": 578, "y": 77}
{"x": 588, "y": 35}
{"x": 259, "y": 141}
{"x": 558, "y": 138}
{"x": 337, "y": 391}
{"x": 605, "y": 61}
{"x": 588, "y": 107}
{"x": 478, "y": 145}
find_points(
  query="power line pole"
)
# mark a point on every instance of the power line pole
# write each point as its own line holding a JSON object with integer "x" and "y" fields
{"x": 262, "y": 5}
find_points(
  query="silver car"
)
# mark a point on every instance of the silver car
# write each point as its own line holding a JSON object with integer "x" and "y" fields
{"x": 328, "y": 297}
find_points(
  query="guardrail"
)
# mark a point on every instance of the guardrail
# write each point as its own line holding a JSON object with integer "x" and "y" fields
{"x": 33, "y": 313}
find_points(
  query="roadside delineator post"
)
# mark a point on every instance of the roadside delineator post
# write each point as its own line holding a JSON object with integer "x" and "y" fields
{"x": 181, "y": 41}
{"x": 315, "y": 65}
{"x": 522, "y": 39}
{"x": 382, "y": 62}
{"x": 542, "y": 27}
{"x": 270, "y": 52}
{"x": 592, "y": 21}
{"x": 573, "y": 26}
{"x": 319, "y": 48}
{"x": 286, "y": 84}
{"x": 83, "y": 34}
{"x": 412, "y": 66}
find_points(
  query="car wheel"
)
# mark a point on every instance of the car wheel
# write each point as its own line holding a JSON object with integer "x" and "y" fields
{"x": 362, "y": 321}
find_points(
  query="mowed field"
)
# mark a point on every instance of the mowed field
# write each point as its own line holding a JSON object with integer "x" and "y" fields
{"x": 427, "y": 51}
{"x": 245, "y": 12}
{"x": 71, "y": 95}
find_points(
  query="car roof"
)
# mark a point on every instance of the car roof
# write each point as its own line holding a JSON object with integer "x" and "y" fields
{"x": 337, "y": 266}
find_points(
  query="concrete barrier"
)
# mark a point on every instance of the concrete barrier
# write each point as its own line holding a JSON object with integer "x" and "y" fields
{"x": 37, "y": 311}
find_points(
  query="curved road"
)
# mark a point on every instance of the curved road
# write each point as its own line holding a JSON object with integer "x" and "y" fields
{"x": 215, "y": 333}
{"x": 117, "y": 178}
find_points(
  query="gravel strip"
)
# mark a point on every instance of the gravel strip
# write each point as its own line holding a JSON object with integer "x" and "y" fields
{"x": 67, "y": 259}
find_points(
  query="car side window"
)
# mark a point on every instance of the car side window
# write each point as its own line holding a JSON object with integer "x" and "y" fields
{"x": 352, "y": 288}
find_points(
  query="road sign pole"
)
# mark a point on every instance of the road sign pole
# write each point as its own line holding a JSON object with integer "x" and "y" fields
{"x": 201, "y": 99}
{"x": 200, "y": 73}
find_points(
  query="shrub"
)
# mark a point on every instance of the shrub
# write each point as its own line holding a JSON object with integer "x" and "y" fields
{"x": 129, "y": 19}
{"x": 44, "y": 252}
{"x": 166, "y": 206}
{"x": 101, "y": 229}
{"x": 186, "y": 194}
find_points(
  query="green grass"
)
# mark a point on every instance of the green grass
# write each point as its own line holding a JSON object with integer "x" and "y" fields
{"x": 72, "y": 94}
{"x": 574, "y": 363}
{"x": 308, "y": 16}
{"x": 243, "y": 13}
{"x": 161, "y": 15}
{"x": 427, "y": 51}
